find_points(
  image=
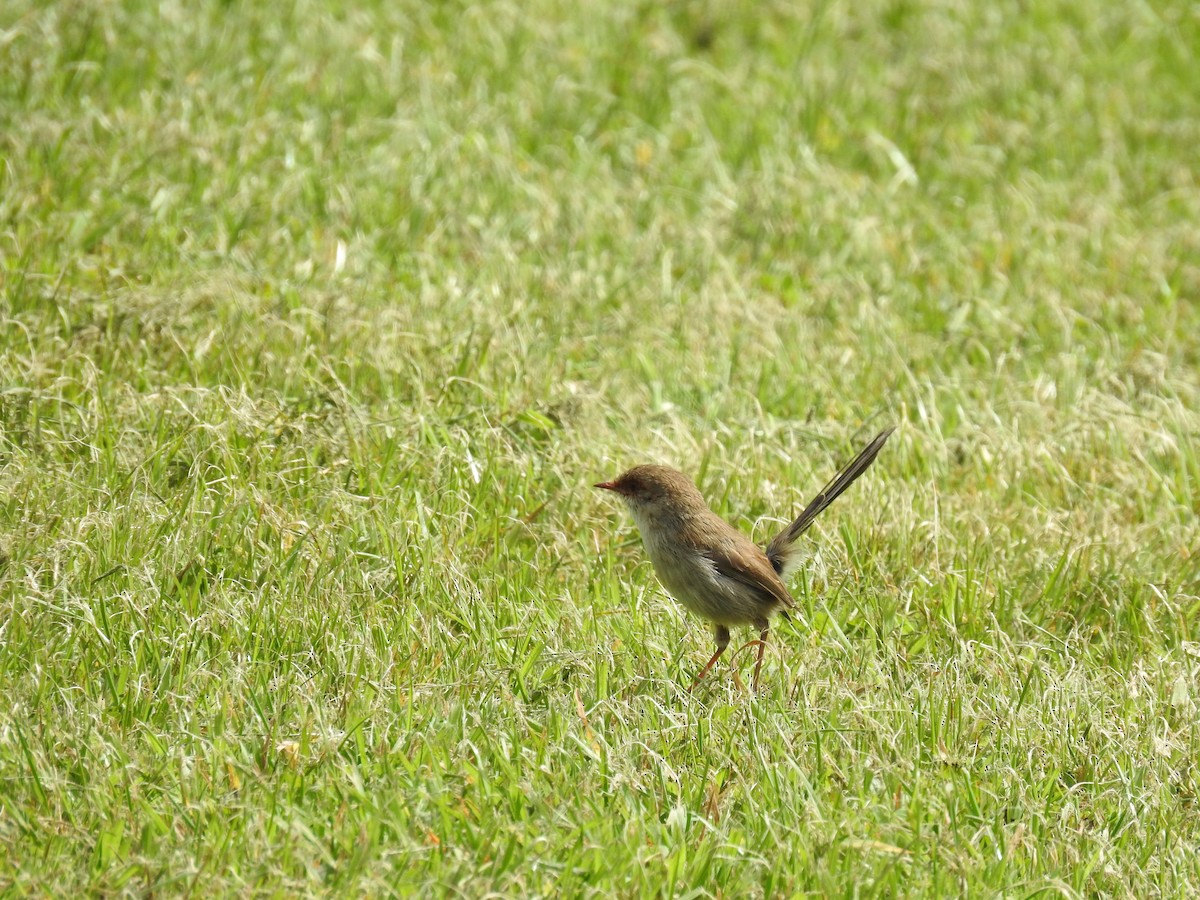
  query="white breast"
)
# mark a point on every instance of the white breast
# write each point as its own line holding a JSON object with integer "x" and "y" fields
{"x": 693, "y": 579}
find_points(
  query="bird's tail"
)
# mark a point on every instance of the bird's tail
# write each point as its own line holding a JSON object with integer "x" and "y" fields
{"x": 782, "y": 551}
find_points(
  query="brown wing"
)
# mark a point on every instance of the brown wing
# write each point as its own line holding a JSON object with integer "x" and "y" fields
{"x": 739, "y": 559}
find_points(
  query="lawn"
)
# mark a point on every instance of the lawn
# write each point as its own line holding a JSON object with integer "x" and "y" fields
{"x": 320, "y": 321}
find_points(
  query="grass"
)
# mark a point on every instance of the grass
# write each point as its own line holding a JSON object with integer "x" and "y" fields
{"x": 320, "y": 321}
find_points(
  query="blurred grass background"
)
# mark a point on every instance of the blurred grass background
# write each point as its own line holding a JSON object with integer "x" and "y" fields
{"x": 319, "y": 321}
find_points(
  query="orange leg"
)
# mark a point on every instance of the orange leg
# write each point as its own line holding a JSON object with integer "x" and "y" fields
{"x": 762, "y": 647}
{"x": 721, "y": 633}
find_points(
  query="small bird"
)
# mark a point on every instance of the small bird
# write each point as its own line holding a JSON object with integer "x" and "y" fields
{"x": 711, "y": 567}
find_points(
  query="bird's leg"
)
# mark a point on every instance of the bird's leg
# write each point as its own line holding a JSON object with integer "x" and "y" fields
{"x": 721, "y": 633}
{"x": 762, "y": 646}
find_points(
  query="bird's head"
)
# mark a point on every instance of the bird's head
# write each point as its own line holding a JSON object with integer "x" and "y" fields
{"x": 655, "y": 490}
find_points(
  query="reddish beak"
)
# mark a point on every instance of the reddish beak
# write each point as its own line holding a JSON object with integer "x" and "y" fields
{"x": 608, "y": 486}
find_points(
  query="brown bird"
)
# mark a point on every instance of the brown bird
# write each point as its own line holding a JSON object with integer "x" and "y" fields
{"x": 709, "y": 566}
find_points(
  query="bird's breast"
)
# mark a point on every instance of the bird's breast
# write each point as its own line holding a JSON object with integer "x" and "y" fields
{"x": 691, "y": 577}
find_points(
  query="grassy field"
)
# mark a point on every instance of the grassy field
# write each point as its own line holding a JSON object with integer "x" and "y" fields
{"x": 319, "y": 321}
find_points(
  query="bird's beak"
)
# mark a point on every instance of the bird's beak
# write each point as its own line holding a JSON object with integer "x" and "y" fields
{"x": 608, "y": 486}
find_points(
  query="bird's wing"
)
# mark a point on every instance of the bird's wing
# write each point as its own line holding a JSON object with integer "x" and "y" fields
{"x": 738, "y": 559}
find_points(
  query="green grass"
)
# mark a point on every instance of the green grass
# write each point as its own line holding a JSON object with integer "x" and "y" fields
{"x": 318, "y": 323}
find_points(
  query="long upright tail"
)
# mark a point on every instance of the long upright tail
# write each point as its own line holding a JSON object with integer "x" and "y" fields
{"x": 781, "y": 551}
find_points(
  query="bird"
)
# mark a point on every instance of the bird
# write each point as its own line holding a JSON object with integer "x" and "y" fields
{"x": 708, "y": 565}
